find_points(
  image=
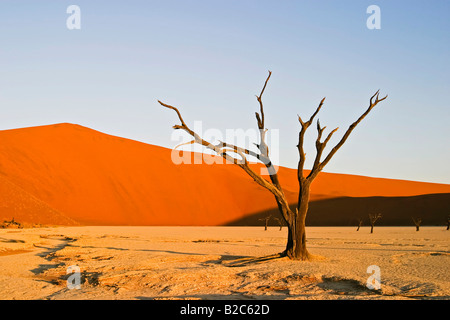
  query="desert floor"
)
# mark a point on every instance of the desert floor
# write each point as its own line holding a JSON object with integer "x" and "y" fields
{"x": 222, "y": 263}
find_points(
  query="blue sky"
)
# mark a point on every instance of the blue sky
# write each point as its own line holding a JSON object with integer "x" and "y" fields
{"x": 210, "y": 58}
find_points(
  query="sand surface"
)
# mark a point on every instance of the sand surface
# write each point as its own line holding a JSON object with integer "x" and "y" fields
{"x": 222, "y": 263}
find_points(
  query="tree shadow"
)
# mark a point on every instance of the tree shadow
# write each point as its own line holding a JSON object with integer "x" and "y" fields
{"x": 44, "y": 267}
{"x": 202, "y": 297}
{"x": 49, "y": 254}
{"x": 145, "y": 250}
{"x": 243, "y": 261}
{"x": 436, "y": 252}
{"x": 11, "y": 240}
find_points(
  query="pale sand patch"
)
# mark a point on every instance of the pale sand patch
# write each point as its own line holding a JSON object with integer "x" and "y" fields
{"x": 223, "y": 263}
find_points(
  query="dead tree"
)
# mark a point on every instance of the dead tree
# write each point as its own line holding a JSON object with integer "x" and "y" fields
{"x": 294, "y": 219}
{"x": 448, "y": 222}
{"x": 373, "y": 217}
{"x": 280, "y": 223}
{"x": 360, "y": 222}
{"x": 417, "y": 222}
{"x": 11, "y": 224}
{"x": 266, "y": 221}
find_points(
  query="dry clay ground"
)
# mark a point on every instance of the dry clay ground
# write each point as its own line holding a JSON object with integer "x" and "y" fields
{"x": 222, "y": 263}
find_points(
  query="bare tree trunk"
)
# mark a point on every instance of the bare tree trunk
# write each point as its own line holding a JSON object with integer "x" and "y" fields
{"x": 279, "y": 223}
{"x": 417, "y": 222}
{"x": 359, "y": 224}
{"x": 373, "y": 217}
{"x": 266, "y": 221}
{"x": 296, "y": 245}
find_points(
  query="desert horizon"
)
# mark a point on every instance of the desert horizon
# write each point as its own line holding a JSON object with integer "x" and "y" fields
{"x": 67, "y": 174}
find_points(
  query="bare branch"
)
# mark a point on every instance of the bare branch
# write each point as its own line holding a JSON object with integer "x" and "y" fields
{"x": 258, "y": 119}
{"x": 176, "y": 110}
{"x": 373, "y": 217}
{"x": 196, "y": 137}
{"x": 262, "y": 146}
{"x": 278, "y": 193}
{"x": 183, "y": 144}
{"x": 317, "y": 111}
{"x": 259, "y": 98}
{"x": 320, "y": 147}
{"x": 243, "y": 159}
{"x": 333, "y": 151}
{"x": 301, "y": 138}
{"x": 319, "y": 131}
{"x": 222, "y": 149}
{"x": 417, "y": 221}
{"x": 330, "y": 135}
{"x": 222, "y": 144}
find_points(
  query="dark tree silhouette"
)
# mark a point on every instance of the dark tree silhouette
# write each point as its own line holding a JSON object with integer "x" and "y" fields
{"x": 417, "y": 222}
{"x": 280, "y": 223}
{"x": 294, "y": 219}
{"x": 373, "y": 217}
{"x": 11, "y": 223}
{"x": 266, "y": 221}
{"x": 448, "y": 222}
{"x": 360, "y": 222}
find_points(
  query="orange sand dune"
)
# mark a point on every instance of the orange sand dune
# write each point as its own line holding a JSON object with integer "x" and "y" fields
{"x": 25, "y": 208}
{"x": 98, "y": 179}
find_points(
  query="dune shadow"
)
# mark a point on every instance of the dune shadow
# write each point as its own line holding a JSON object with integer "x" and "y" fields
{"x": 346, "y": 211}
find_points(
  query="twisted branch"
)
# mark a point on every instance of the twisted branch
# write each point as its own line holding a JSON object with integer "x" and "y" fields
{"x": 222, "y": 148}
